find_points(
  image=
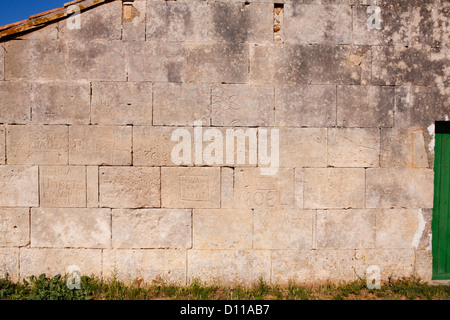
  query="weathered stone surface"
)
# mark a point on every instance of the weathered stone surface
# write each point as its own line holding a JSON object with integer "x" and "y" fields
{"x": 296, "y": 226}
{"x": 92, "y": 186}
{"x": 15, "y": 103}
{"x": 177, "y": 21}
{"x": 306, "y": 64}
{"x": 100, "y": 23}
{"x": 403, "y": 187}
{"x": 35, "y": 60}
{"x": 222, "y": 229}
{"x": 398, "y": 65}
{"x": 97, "y": 60}
{"x": 14, "y": 227}
{"x": 133, "y": 23}
{"x": 36, "y": 261}
{"x": 9, "y": 258}
{"x": 151, "y": 228}
{"x": 421, "y": 106}
{"x": 226, "y": 187}
{"x": 183, "y": 187}
{"x": 181, "y": 104}
{"x": 119, "y": 103}
{"x": 70, "y": 228}
{"x": 152, "y": 266}
{"x": 402, "y": 147}
{"x": 298, "y": 188}
{"x": 428, "y": 24}
{"x": 399, "y": 228}
{"x": 305, "y": 106}
{"x": 253, "y": 190}
{"x": 238, "y": 22}
{"x": 2, "y": 145}
{"x": 34, "y": 145}
{"x": 318, "y": 23}
{"x": 303, "y": 147}
{"x": 218, "y": 62}
{"x": 365, "y": 106}
{"x": 100, "y": 145}
{"x": 229, "y": 266}
{"x": 129, "y": 187}
{"x": 19, "y": 186}
{"x": 423, "y": 269}
{"x": 155, "y": 61}
{"x": 312, "y": 266}
{"x": 393, "y": 263}
{"x": 61, "y": 103}
{"x": 394, "y": 26}
{"x": 346, "y": 229}
{"x": 2, "y": 63}
{"x": 353, "y": 147}
{"x": 238, "y": 105}
{"x": 49, "y": 32}
{"x": 62, "y": 186}
{"x": 334, "y": 188}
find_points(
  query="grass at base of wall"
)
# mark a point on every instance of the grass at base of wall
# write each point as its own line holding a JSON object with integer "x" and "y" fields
{"x": 92, "y": 288}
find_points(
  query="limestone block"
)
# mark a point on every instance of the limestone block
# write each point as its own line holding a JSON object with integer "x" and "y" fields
{"x": 402, "y": 147}
{"x": 62, "y": 186}
{"x": 222, "y": 229}
{"x": 424, "y": 265}
{"x": 305, "y": 106}
{"x": 394, "y": 28}
{"x": 10, "y": 263}
{"x": 70, "y": 227}
{"x": 61, "y": 103}
{"x": 133, "y": 23}
{"x": 303, "y": 64}
{"x": 391, "y": 235}
{"x": 129, "y": 187}
{"x": 19, "y": 186}
{"x": 35, "y": 60}
{"x": 92, "y": 186}
{"x": 346, "y": 229}
{"x": 318, "y": 24}
{"x": 37, "y": 144}
{"x": 177, "y": 21}
{"x": 99, "y": 23}
{"x": 402, "y": 187}
{"x": 100, "y": 145}
{"x": 151, "y": 228}
{"x": 227, "y": 187}
{"x": 97, "y": 60}
{"x": 398, "y": 65}
{"x": 181, "y": 104}
{"x": 218, "y": 62}
{"x": 303, "y": 147}
{"x": 393, "y": 263}
{"x": 34, "y": 261}
{"x": 15, "y": 103}
{"x": 298, "y": 188}
{"x": 2, "y": 145}
{"x": 155, "y": 61}
{"x": 365, "y": 106}
{"x": 238, "y": 22}
{"x": 238, "y": 105}
{"x": 334, "y": 188}
{"x": 121, "y": 103}
{"x": 427, "y": 23}
{"x": 353, "y": 147}
{"x": 152, "y": 266}
{"x": 184, "y": 187}
{"x": 254, "y": 190}
{"x": 283, "y": 229}
{"x": 229, "y": 266}
{"x": 421, "y": 106}
{"x": 14, "y": 227}
{"x": 312, "y": 266}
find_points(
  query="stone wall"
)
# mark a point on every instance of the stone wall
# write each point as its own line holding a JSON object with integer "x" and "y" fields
{"x": 87, "y": 175}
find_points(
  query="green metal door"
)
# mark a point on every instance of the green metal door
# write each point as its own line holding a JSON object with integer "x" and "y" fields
{"x": 441, "y": 208}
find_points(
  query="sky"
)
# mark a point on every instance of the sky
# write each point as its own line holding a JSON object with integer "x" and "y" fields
{"x": 16, "y": 10}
